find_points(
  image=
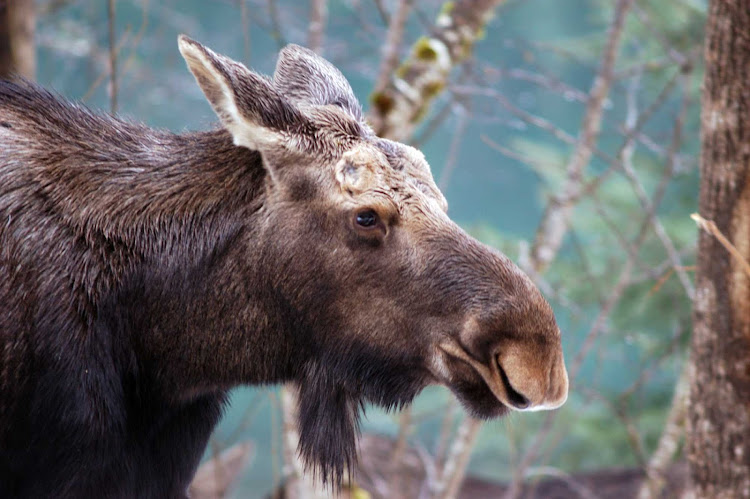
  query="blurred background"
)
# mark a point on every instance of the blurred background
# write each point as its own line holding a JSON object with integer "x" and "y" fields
{"x": 563, "y": 132}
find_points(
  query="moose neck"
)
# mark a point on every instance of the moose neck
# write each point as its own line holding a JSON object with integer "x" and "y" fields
{"x": 174, "y": 216}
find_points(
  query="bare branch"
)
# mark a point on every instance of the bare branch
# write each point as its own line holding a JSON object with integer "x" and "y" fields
{"x": 316, "y": 30}
{"x": 399, "y": 448}
{"x": 556, "y": 218}
{"x": 245, "y": 22}
{"x": 457, "y": 460}
{"x": 669, "y": 440}
{"x": 112, "y": 57}
{"x": 393, "y": 41}
{"x": 17, "y": 55}
{"x": 454, "y": 148}
{"x": 276, "y": 34}
{"x": 215, "y": 478}
{"x": 711, "y": 227}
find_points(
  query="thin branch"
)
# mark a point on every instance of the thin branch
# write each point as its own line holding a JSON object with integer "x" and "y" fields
{"x": 405, "y": 425}
{"x": 316, "y": 30}
{"x": 245, "y": 22}
{"x": 670, "y": 439}
{"x": 454, "y": 148}
{"x": 124, "y": 39}
{"x": 446, "y": 427}
{"x": 581, "y": 490}
{"x": 456, "y": 462}
{"x": 556, "y": 218}
{"x": 276, "y": 34}
{"x": 711, "y": 227}
{"x": 382, "y": 12}
{"x": 275, "y": 479}
{"x": 392, "y": 47}
{"x": 112, "y": 56}
{"x": 671, "y": 52}
{"x": 433, "y": 125}
{"x": 216, "y": 477}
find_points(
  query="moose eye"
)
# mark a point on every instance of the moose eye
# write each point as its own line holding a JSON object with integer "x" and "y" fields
{"x": 366, "y": 219}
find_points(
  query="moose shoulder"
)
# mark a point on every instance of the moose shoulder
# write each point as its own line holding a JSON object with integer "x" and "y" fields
{"x": 143, "y": 274}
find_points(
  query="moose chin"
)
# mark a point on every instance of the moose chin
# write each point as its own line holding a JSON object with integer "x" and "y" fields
{"x": 144, "y": 274}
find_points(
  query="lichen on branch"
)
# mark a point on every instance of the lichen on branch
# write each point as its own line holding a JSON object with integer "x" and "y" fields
{"x": 399, "y": 106}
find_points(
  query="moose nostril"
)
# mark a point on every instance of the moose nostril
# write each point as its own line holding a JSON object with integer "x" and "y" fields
{"x": 515, "y": 398}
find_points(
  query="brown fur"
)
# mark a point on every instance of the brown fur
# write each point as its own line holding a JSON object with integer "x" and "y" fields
{"x": 143, "y": 274}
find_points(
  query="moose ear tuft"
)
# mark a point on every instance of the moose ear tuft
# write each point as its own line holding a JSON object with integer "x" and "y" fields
{"x": 306, "y": 78}
{"x": 250, "y": 108}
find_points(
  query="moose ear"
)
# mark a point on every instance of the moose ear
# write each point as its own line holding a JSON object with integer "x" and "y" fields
{"x": 307, "y": 78}
{"x": 250, "y": 108}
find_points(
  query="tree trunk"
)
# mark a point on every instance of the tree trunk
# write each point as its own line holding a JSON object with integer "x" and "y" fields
{"x": 719, "y": 409}
{"x": 17, "y": 38}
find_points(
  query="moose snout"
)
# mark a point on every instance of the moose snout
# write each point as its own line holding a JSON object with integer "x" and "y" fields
{"x": 532, "y": 381}
{"x": 521, "y": 378}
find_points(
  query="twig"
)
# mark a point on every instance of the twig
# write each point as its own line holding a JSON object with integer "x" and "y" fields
{"x": 673, "y": 54}
{"x": 520, "y": 157}
{"x": 454, "y": 148}
{"x": 275, "y": 479}
{"x": 457, "y": 460}
{"x": 276, "y": 34}
{"x": 245, "y": 22}
{"x": 710, "y": 227}
{"x": 664, "y": 278}
{"x": 446, "y": 428}
{"x": 433, "y": 125}
{"x": 316, "y": 30}
{"x": 112, "y": 57}
{"x": 382, "y": 12}
{"x": 669, "y": 440}
{"x": 399, "y": 449}
{"x": 556, "y": 218}
{"x": 215, "y": 478}
{"x": 120, "y": 45}
{"x": 581, "y": 490}
{"x": 392, "y": 47}
{"x": 651, "y": 205}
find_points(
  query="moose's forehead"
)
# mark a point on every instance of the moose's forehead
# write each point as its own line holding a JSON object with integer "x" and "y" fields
{"x": 396, "y": 167}
{"x": 402, "y": 170}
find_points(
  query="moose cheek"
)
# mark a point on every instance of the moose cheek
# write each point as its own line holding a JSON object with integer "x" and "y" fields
{"x": 362, "y": 240}
{"x": 300, "y": 188}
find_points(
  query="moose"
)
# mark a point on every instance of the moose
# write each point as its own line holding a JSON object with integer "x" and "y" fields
{"x": 144, "y": 274}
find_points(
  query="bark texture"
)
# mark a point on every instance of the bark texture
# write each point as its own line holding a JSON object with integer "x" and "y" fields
{"x": 17, "y": 38}
{"x": 719, "y": 409}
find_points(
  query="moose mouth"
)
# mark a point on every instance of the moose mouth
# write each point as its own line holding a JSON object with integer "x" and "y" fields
{"x": 492, "y": 398}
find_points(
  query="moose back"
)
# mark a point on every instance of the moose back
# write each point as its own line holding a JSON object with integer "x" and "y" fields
{"x": 144, "y": 274}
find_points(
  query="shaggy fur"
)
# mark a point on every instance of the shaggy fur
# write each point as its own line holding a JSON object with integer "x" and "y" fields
{"x": 144, "y": 274}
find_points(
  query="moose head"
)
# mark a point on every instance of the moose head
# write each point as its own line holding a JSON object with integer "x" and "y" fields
{"x": 374, "y": 287}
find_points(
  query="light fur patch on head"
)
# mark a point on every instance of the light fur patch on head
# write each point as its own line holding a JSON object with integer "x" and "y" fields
{"x": 360, "y": 168}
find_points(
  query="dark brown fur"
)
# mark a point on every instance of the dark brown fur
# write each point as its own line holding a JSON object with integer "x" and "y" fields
{"x": 143, "y": 274}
